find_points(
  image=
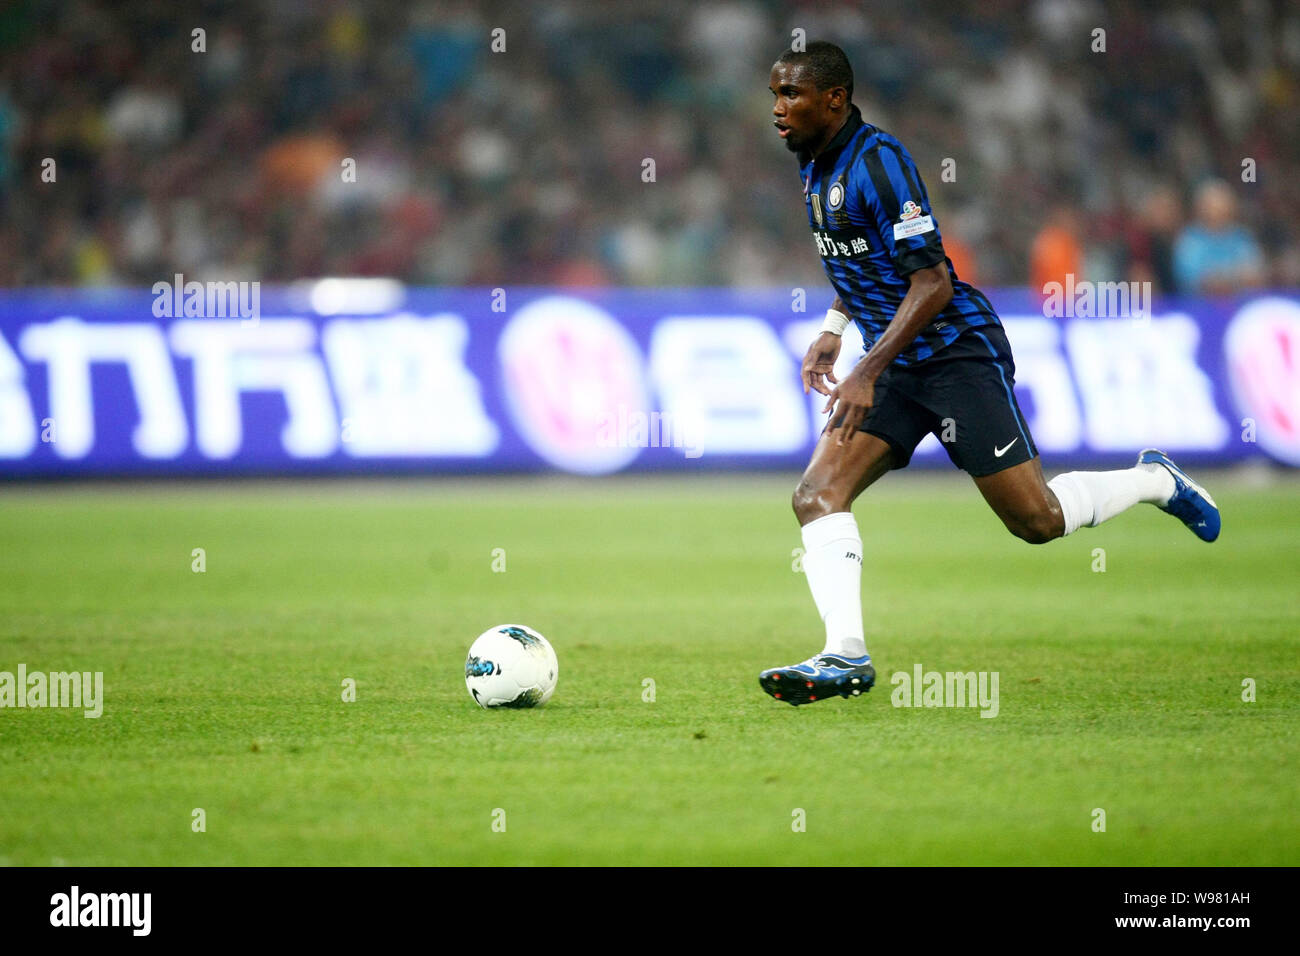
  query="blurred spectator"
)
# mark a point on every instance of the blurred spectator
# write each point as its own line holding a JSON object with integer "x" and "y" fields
{"x": 1150, "y": 240}
{"x": 1216, "y": 255}
{"x": 1056, "y": 251}
{"x": 957, "y": 227}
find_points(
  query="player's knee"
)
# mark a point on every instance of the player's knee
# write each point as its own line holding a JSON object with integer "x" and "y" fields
{"x": 1036, "y": 527}
{"x": 812, "y": 500}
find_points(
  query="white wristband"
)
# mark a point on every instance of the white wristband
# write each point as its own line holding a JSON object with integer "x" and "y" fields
{"x": 836, "y": 322}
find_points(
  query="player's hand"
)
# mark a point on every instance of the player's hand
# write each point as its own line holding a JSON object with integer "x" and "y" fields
{"x": 819, "y": 363}
{"x": 849, "y": 403}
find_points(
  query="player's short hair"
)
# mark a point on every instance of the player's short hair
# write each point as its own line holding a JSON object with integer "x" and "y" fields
{"x": 826, "y": 62}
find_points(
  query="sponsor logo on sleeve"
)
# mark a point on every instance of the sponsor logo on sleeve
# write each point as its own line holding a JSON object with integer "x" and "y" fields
{"x": 913, "y": 226}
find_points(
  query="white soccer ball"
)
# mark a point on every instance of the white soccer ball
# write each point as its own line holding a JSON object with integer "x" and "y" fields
{"x": 511, "y": 666}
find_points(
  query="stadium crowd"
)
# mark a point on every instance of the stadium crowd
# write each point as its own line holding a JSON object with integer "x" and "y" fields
{"x": 524, "y": 165}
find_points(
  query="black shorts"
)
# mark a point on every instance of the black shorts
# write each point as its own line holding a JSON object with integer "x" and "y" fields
{"x": 965, "y": 395}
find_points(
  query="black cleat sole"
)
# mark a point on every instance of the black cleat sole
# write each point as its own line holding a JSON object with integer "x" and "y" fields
{"x": 794, "y": 688}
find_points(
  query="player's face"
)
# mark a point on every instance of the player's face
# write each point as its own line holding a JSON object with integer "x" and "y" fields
{"x": 801, "y": 113}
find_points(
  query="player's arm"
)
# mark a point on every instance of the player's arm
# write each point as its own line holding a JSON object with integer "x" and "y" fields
{"x": 929, "y": 293}
{"x": 819, "y": 362}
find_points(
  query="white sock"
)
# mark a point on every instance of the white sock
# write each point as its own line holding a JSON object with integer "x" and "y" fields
{"x": 1091, "y": 497}
{"x": 832, "y": 562}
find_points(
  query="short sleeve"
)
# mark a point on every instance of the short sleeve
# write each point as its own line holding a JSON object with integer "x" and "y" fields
{"x": 897, "y": 198}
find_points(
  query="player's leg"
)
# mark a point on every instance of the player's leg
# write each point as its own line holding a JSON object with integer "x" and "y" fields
{"x": 1022, "y": 499}
{"x": 1038, "y": 511}
{"x": 1087, "y": 498}
{"x": 994, "y": 446}
{"x": 837, "y": 474}
{"x": 832, "y": 543}
{"x": 832, "y": 559}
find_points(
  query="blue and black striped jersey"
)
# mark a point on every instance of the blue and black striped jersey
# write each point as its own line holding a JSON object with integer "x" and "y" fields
{"x": 872, "y": 222}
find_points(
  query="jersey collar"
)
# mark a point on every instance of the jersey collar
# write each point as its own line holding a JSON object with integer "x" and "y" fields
{"x": 850, "y": 127}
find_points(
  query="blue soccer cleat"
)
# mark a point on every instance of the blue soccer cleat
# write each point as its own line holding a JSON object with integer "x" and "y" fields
{"x": 1191, "y": 504}
{"x": 819, "y": 677}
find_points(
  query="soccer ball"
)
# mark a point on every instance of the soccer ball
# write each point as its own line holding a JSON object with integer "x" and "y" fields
{"x": 511, "y": 666}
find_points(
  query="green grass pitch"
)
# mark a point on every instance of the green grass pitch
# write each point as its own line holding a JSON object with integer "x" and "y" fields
{"x": 1119, "y": 690}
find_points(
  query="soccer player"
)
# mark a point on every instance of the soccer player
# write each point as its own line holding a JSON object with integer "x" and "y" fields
{"x": 937, "y": 360}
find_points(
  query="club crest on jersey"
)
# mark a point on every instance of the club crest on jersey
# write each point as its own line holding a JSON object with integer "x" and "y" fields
{"x": 910, "y": 211}
{"x": 835, "y": 198}
{"x": 816, "y": 201}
